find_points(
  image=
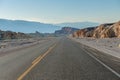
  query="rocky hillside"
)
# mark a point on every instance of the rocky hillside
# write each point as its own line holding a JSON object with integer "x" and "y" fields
{"x": 66, "y": 30}
{"x": 12, "y": 35}
{"x": 108, "y": 30}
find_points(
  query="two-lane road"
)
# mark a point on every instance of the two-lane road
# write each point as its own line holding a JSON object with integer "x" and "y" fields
{"x": 67, "y": 60}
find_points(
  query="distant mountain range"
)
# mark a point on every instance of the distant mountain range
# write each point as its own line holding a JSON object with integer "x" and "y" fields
{"x": 27, "y": 26}
{"x": 31, "y": 26}
{"x": 79, "y": 25}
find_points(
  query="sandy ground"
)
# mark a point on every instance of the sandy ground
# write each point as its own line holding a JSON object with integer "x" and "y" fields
{"x": 107, "y": 45}
{"x": 8, "y": 45}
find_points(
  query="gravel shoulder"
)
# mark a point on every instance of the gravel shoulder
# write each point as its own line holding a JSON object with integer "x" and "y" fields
{"x": 109, "y": 46}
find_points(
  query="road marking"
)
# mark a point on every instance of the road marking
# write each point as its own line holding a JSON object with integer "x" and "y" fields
{"x": 36, "y": 59}
{"x": 106, "y": 66}
{"x": 35, "y": 62}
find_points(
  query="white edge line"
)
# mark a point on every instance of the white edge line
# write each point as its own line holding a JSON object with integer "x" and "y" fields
{"x": 113, "y": 71}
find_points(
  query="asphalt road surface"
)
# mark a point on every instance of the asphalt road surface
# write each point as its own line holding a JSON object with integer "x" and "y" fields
{"x": 57, "y": 59}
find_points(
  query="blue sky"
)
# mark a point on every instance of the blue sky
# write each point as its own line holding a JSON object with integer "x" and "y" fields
{"x": 59, "y": 11}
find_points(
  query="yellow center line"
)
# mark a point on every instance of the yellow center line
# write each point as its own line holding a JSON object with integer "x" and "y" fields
{"x": 35, "y": 62}
{"x": 36, "y": 59}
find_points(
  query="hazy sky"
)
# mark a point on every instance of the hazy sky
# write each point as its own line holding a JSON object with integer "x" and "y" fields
{"x": 58, "y": 11}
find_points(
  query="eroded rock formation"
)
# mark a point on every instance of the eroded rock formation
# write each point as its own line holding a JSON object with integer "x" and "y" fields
{"x": 103, "y": 31}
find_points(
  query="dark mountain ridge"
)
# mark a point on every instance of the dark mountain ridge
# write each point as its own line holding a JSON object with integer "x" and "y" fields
{"x": 66, "y": 30}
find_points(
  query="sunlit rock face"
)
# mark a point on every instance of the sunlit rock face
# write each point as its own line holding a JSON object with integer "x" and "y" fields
{"x": 116, "y": 29}
{"x": 100, "y": 31}
{"x": 107, "y": 30}
{"x": 111, "y": 31}
{"x": 87, "y": 32}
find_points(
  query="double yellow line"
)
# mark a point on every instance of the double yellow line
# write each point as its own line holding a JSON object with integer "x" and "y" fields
{"x": 35, "y": 62}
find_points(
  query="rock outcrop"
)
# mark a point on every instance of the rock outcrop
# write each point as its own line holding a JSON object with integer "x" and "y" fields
{"x": 116, "y": 29}
{"x": 12, "y": 35}
{"x": 100, "y": 31}
{"x": 66, "y": 30}
{"x": 103, "y": 31}
{"x": 86, "y": 32}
